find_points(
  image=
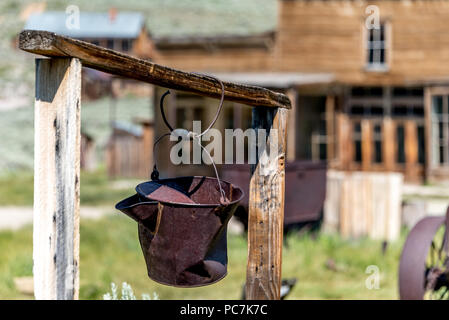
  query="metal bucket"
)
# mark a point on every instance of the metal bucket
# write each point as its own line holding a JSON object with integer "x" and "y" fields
{"x": 184, "y": 244}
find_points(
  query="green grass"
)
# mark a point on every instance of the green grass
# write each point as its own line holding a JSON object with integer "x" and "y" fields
{"x": 409, "y": 197}
{"x": 307, "y": 259}
{"x": 16, "y": 189}
{"x": 110, "y": 252}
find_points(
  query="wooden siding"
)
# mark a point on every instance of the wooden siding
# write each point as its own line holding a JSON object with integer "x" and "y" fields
{"x": 130, "y": 156}
{"x": 360, "y": 204}
{"x": 327, "y": 36}
{"x": 226, "y": 60}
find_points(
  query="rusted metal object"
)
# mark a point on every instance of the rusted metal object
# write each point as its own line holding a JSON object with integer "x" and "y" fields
{"x": 183, "y": 241}
{"x": 305, "y": 190}
{"x": 424, "y": 264}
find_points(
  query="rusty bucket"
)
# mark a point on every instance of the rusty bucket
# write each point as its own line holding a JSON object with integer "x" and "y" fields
{"x": 183, "y": 233}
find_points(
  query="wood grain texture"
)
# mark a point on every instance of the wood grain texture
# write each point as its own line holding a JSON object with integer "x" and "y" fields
{"x": 266, "y": 207}
{"x": 130, "y": 156}
{"x": 345, "y": 152}
{"x": 222, "y": 60}
{"x": 411, "y": 148}
{"x": 363, "y": 204}
{"x": 328, "y": 36}
{"x": 56, "y": 178}
{"x": 367, "y": 147}
{"x": 53, "y": 45}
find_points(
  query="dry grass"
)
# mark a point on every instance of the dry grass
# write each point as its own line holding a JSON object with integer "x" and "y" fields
{"x": 326, "y": 267}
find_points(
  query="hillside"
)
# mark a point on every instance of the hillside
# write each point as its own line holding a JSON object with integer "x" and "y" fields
{"x": 163, "y": 18}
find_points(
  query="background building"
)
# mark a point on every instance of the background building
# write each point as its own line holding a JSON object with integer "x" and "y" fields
{"x": 363, "y": 99}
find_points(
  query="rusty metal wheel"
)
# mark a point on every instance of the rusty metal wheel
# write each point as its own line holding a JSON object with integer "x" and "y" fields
{"x": 424, "y": 264}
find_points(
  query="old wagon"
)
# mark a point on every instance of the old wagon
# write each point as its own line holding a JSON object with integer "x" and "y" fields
{"x": 305, "y": 192}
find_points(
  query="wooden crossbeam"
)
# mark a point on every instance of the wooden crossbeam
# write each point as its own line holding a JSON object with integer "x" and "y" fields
{"x": 52, "y": 45}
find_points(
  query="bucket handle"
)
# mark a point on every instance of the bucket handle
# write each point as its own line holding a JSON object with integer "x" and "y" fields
{"x": 217, "y": 114}
{"x": 185, "y": 134}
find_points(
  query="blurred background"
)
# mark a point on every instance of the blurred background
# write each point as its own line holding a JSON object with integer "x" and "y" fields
{"x": 368, "y": 133}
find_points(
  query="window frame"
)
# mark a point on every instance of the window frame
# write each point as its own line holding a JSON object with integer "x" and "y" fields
{"x": 440, "y": 131}
{"x": 385, "y": 45}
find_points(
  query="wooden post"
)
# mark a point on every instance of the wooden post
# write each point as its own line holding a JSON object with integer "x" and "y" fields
{"x": 389, "y": 142}
{"x": 411, "y": 149}
{"x": 330, "y": 127}
{"x": 266, "y": 208}
{"x": 367, "y": 148}
{"x": 56, "y": 178}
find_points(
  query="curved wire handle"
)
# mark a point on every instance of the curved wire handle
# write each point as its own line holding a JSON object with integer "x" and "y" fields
{"x": 161, "y": 106}
{"x": 220, "y": 106}
{"x": 192, "y": 136}
{"x": 155, "y": 172}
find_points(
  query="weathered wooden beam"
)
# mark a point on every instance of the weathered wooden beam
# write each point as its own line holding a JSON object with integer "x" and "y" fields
{"x": 266, "y": 207}
{"x": 56, "y": 178}
{"x": 53, "y": 45}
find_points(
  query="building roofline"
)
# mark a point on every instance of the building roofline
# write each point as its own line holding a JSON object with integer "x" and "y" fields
{"x": 277, "y": 79}
{"x": 262, "y": 40}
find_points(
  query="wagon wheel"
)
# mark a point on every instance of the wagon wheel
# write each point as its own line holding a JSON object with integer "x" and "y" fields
{"x": 424, "y": 264}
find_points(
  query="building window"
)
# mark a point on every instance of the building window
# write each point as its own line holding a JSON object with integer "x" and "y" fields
{"x": 110, "y": 44}
{"x": 126, "y": 45}
{"x": 421, "y": 144}
{"x": 398, "y": 102}
{"x": 367, "y": 102}
{"x": 320, "y": 138}
{"x": 407, "y": 102}
{"x": 377, "y": 141}
{"x": 440, "y": 130}
{"x": 400, "y": 144}
{"x": 376, "y": 49}
{"x": 185, "y": 116}
{"x": 368, "y": 110}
